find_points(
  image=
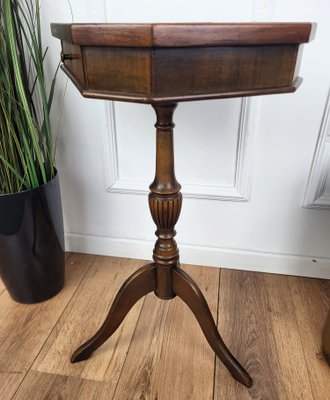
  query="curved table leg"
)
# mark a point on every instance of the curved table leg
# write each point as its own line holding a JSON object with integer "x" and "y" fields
{"x": 188, "y": 291}
{"x": 142, "y": 282}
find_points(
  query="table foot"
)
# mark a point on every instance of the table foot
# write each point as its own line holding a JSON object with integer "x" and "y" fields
{"x": 189, "y": 292}
{"x": 142, "y": 282}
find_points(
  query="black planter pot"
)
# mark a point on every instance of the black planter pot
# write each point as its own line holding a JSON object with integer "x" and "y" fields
{"x": 32, "y": 243}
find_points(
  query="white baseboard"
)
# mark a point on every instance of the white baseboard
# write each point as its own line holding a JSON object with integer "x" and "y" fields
{"x": 247, "y": 260}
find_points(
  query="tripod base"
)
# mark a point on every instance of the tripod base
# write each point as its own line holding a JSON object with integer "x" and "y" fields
{"x": 142, "y": 282}
{"x": 164, "y": 277}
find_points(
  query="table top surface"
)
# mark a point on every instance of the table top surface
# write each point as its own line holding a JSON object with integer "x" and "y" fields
{"x": 184, "y": 34}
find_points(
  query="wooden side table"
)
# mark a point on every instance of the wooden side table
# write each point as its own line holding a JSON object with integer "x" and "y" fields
{"x": 163, "y": 64}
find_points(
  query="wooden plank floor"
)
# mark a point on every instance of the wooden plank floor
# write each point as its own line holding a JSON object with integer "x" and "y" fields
{"x": 272, "y": 324}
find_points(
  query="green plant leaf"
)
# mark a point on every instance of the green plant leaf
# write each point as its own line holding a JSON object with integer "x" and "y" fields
{"x": 26, "y": 143}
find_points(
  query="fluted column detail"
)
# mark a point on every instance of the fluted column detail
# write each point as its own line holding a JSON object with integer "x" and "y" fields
{"x": 165, "y": 202}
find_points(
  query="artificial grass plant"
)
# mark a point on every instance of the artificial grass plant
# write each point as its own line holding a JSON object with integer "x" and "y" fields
{"x": 27, "y": 158}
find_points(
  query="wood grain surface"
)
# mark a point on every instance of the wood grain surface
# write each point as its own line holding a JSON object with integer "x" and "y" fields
{"x": 184, "y": 34}
{"x": 164, "y": 63}
{"x": 42, "y": 386}
{"x": 266, "y": 340}
{"x": 118, "y": 70}
{"x": 272, "y": 324}
{"x": 2, "y": 287}
{"x": 75, "y": 61}
{"x": 88, "y": 309}
{"x": 222, "y": 69}
{"x": 165, "y": 347}
{"x": 25, "y": 328}
{"x": 311, "y": 301}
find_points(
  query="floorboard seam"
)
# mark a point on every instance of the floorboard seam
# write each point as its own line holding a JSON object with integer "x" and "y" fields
{"x": 51, "y": 331}
{"x": 217, "y": 322}
{"x": 128, "y": 349}
{"x": 302, "y": 345}
{"x": 5, "y": 337}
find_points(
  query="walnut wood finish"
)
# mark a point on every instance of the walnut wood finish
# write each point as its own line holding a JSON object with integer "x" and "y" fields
{"x": 222, "y": 69}
{"x": 140, "y": 98}
{"x": 137, "y": 286}
{"x": 183, "y": 34}
{"x": 190, "y": 293}
{"x": 228, "y": 68}
{"x": 72, "y": 56}
{"x": 164, "y": 277}
{"x": 165, "y": 202}
{"x": 163, "y": 64}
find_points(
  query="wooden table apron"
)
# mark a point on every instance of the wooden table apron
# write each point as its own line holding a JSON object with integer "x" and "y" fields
{"x": 161, "y": 65}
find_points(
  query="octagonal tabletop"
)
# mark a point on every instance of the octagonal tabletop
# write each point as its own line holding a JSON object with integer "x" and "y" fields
{"x": 157, "y": 63}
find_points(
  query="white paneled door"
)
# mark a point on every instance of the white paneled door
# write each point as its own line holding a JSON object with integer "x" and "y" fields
{"x": 255, "y": 172}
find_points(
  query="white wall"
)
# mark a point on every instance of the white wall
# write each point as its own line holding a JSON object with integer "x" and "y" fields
{"x": 255, "y": 172}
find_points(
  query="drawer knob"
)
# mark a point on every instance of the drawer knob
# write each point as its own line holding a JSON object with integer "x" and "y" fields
{"x": 66, "y": 56}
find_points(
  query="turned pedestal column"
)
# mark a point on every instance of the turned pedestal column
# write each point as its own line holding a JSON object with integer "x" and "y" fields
{"x": 165, "y": 202}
